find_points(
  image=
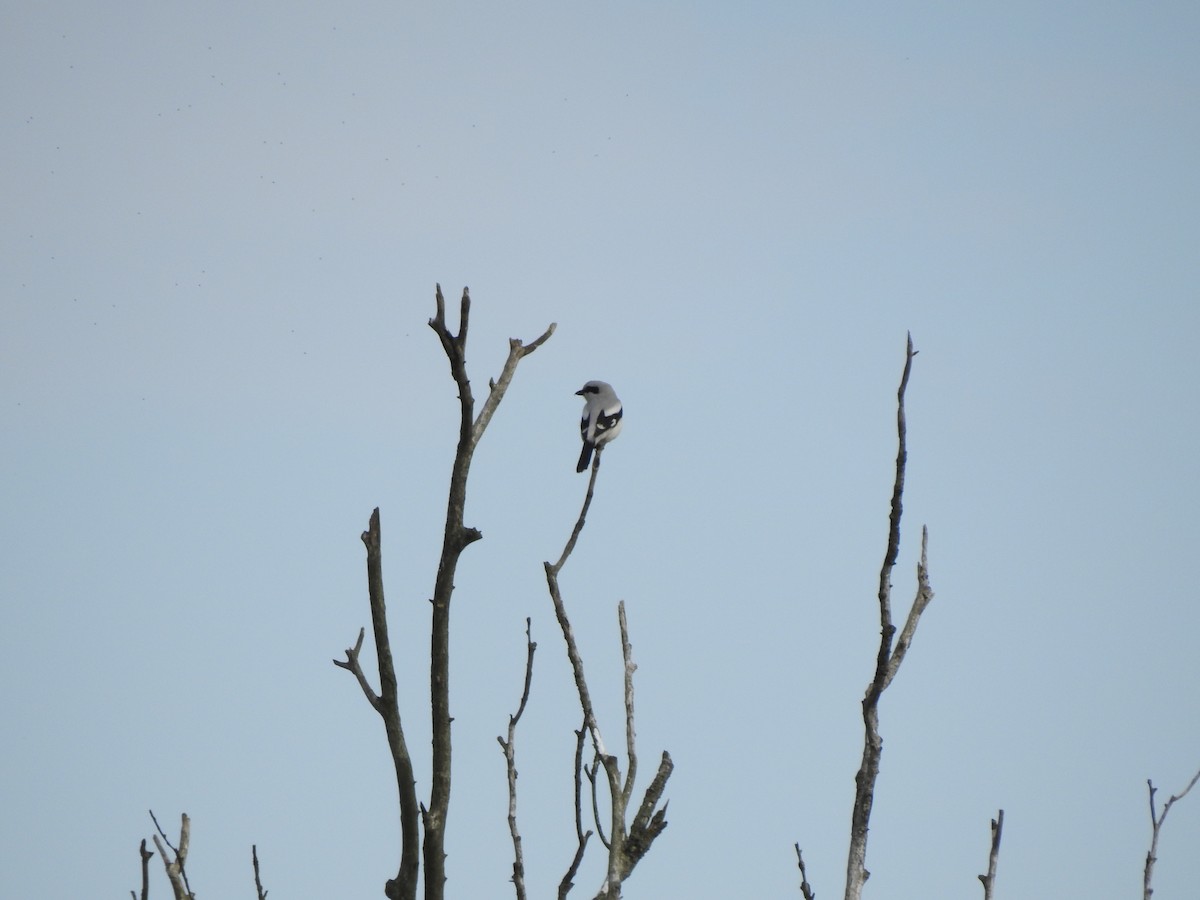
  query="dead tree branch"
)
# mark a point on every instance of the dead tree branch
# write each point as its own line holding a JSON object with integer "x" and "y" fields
{"x": 146, "y": 855}
{"x": 386, "y": 703}
{"x": 889, "y": 657}
{"x": 564, "y": 886}
{"x": 1156, "y": 823}
{"x": 456, "y": 538}
{"x": 510, "y": 763}
{"x": 626, "y": 843}
{"x": 258, "y": 887}
{"x": 175, "y": 865}
{"x": 989, "y": 880}
{"x": 806, "y": 890}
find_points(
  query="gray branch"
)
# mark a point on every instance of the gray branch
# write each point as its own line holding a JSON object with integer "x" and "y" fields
{"x": 889, "y": 658}
{"x": 1156, "y": 823}
{"x": 626, "y": 843}
{"x": 510, "y": 764}
{"x": 989, "y": 880}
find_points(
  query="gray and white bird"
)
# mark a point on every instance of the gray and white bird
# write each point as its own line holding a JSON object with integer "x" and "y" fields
{"x": 601, "y": 420}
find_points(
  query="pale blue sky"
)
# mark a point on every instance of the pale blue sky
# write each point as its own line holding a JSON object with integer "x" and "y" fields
{"x": 223, "y": 227}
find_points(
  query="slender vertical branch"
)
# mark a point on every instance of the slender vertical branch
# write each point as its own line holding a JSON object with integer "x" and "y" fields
{"x": 510, "y": 764}
{"x": 258, "y": 885}
{"x": 888, "y": 660}
{"x": 456, "y": 538}
{"x": 568, "y": 880}
{"x": 404, "y": 885}
{"x": 630, "y": 729}
{"x": 806, "y": 890}
{"x": 989, "y": 880}
{"x": 560, "y": 611}
{"x": 1156, "y": 823}
{"x": 626, "y": 844}
{"x": 146, "y": 855}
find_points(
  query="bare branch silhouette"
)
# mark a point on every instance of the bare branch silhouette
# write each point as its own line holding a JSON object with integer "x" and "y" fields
{"x": 456, "y": 538}
{"x": 989, "y": 880}
{"x": 510, "y": 764}
{"x": 386, "y": 703}
{"x": 175, "y": 866}
{"x": 258, "y": 887}
{"x": 564, "y": 886}
{"x": 627, "y": 843}
{"x": 889, "y": 658}
{"x": 146, "y": 856}
{"x": 806, "y": 890}
{"x": 1156, "y": 823}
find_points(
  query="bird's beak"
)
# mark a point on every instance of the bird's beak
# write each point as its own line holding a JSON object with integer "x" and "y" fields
{"x": 579, "y": 393}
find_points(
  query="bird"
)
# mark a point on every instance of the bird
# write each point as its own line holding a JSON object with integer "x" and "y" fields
{"x": 601, "y": 420}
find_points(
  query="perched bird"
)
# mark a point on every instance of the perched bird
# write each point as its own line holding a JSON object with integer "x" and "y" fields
{"x": 601, "y": 420}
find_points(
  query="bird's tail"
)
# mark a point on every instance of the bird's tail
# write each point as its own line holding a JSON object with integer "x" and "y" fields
{"x": 585, "y": 457}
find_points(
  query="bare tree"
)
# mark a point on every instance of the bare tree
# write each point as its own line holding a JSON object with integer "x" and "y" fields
{"x": 456, "y": 538}
{"x": 627, "y": 841}
{"x": 887, "y": 661}
{"x": 1156, "y": 823}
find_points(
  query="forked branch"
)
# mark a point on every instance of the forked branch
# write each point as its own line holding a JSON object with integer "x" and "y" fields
{"x": 456, "y": 537}
{"x": 627, "y": 842}
{"x": 888, "y": 658}
{"x": 176, "y": 863}
{"x": 386, "y": 703}
{"x": 1156, "y": 823}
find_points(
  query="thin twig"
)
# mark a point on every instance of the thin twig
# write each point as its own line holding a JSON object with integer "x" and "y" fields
{"x": 1156, "y": 822}
{"x": 989, "y": 880}
{"x": 568, "y": 880}
{"x": 575, "y": 532}
{"x": 805, "y": 888}
{"x": 354, "y": 666}
{"x": 591, "y": 776}
{"x": 510, "y": 763}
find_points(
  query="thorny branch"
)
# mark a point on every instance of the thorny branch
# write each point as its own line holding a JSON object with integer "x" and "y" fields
{"x": 989, "y": 880}
{"x": 1156, "y": 822}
